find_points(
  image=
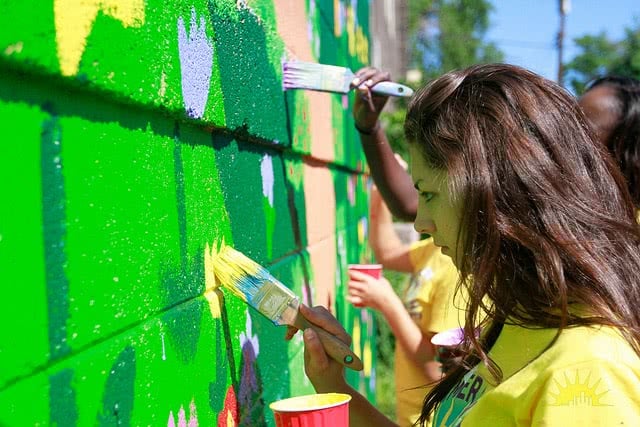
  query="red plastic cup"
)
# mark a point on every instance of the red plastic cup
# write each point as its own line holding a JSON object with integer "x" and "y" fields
{"x": 373, "y": 270}
{"x": 314, "y": 410}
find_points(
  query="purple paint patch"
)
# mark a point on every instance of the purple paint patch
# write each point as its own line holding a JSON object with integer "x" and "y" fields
{"x": 342, "y": 17}
{"x": 196, "y": 60}
{"x": 351, "y": 189}
{"x": 354, "y": 7}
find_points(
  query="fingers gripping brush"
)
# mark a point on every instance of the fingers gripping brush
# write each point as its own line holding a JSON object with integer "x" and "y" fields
{"x": 258, "y": 288}
{"x": 329, "y": 78}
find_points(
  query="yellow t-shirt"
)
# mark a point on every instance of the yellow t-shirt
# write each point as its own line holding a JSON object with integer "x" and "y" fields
{"x": 429, "y": 301}
{"x": 589, "y": 377}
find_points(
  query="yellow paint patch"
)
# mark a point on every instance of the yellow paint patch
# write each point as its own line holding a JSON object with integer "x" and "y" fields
{"x": 14, "y": 48}
{"x": 230, "y": 421}
{"x": 211, "y": 287}
{"x": 337, "y": 28}
{"x": 367, "y": 359}
{"x": 214, "y": 298}
{"x": 74, "y": 20}
{"x": 361, "y": 231}
{"x": 356, "y": 338}
{"x": 358, "y": 41}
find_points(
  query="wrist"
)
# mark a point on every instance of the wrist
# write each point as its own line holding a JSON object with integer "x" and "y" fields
{"x": 367, "y": 130}
{"x": 392, "y": 305}
{"x": 327, "y": 384}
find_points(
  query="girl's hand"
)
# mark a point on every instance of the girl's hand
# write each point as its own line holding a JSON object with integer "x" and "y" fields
{"x": 325, "y": 374}
{"x": 365, "y": 291}
{"x": 368, "y": 106}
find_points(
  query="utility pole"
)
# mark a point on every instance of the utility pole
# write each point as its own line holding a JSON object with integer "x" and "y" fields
{"x": 563, "y": 7}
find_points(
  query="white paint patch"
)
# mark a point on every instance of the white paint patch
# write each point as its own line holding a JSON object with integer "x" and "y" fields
{"x": 247, "y": 336}
{"x": 164, "y": 354}
{"x": 266, "y": 169}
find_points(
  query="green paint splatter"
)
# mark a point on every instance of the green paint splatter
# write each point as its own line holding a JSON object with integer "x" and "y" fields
{"x": 62, "y": 399}
{"x": 54, "y": 235}
{"x": 270, "y": 219}
{"x": 117, "y": 403}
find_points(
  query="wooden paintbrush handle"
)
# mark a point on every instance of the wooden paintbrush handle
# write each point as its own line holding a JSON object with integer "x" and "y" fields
{"x": 334, "y": 347}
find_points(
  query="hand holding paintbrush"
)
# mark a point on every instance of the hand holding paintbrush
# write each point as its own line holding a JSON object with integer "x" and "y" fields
{"x": 330, "y": 78}
{"x": 257, "y": 287}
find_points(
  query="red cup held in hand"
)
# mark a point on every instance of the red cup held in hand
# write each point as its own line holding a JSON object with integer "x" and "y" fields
{"x": 314, "y": 410}
{"x": 373, "y": 270}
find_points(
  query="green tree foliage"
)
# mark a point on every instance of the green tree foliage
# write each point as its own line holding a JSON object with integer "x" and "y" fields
{"x": 598, "y": 55}
{"x": 449, "y": 34}
{"x": 443, "y": 35}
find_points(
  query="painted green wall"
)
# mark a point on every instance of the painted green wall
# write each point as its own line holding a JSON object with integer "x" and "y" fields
{"x": 137, "y": 136}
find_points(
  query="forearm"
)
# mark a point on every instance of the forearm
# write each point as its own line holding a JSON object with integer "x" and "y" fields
{"x": 387, "y": 247}
{"x": 392, "y": 180}
{"x": 415, "y": 343}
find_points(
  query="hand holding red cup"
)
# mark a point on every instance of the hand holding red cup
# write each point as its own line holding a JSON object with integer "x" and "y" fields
{"x": 372, "y": 270}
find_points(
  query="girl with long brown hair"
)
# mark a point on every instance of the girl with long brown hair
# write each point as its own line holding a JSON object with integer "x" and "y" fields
{"x": 537, "y": 218}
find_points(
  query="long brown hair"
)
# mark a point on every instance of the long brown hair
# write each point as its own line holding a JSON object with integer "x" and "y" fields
{"x": 548, "y": 221}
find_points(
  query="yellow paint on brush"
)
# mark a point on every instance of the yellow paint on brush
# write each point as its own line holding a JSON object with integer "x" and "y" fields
{"x": 231, "y": 266}
{"x": 74, "y": 21}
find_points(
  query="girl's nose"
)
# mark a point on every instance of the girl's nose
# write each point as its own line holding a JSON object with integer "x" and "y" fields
{"x": 424, "y": 225}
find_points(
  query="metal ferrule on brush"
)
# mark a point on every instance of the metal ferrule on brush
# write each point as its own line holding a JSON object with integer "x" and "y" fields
{"x": 276, "y": 301}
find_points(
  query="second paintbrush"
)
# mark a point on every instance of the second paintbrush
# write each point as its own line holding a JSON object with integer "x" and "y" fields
{"x": 257, "y": 287}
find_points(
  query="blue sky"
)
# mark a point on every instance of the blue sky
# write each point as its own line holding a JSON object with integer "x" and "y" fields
{"x": 526, "y": 30}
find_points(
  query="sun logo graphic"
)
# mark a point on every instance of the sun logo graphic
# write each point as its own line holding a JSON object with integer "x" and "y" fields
{"x": 576, "y": 392}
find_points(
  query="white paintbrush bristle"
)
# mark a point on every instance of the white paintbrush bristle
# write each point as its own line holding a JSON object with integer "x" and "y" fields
{"x": 312, "y": 76}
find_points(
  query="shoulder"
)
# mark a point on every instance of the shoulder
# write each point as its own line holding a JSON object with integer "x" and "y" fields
{"x": 595, "y": 379}
{"x": 593, "y": 343}
{"x": 589, "y": 375}
{"x": 583, "y": 356}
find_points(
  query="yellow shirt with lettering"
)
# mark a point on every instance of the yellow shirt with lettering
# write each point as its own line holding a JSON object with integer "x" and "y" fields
{"x": 429, "y": 299}
{"x": 589, "y": 377}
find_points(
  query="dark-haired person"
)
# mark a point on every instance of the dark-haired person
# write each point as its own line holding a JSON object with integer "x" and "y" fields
{"x": 513, "y": 186}
{"x": 612, "y": 105}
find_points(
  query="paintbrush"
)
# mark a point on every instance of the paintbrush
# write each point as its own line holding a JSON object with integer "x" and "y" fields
{"x": 253, "y": 284}
{"x": 329, "y": 78}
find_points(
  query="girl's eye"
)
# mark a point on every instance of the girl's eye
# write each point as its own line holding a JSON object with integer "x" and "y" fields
{"x": 427, "y": 196}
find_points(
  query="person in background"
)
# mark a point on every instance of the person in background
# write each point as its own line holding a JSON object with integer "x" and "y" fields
{"x": 431, "y": 299}
{"x": 427, "y": 306}
{"x": 514, "y": 188}
{"x": 612, "y": 105}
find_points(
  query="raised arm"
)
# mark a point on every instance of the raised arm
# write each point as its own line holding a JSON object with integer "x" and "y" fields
{"x": 389, "y": 250}
{"x": 393, "y": 181}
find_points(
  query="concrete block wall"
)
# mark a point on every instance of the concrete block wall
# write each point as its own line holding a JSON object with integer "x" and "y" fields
{"x": 137, "y": 136}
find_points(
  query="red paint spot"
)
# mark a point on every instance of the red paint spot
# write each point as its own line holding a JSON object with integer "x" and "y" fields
{"x": 230, "y": 407}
